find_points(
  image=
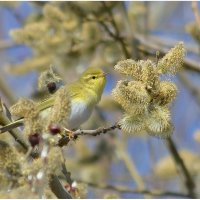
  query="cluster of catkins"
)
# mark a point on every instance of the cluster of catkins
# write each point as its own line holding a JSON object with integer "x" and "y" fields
{"x": 65, "y": 34}
{"x": 146, "y": 98}
{"x": 36, "y": 124}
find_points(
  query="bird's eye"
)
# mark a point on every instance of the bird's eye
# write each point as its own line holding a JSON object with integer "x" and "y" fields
{"x": 93, "y": 77}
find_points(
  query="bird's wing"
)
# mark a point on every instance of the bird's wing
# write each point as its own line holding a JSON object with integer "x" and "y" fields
{"x": 73, "y": 92}
{"x": 46, "y": 103}
{"x": 41, "y": 106}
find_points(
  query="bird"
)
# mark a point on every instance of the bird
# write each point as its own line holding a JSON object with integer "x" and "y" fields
{"x": 85, "y": 93}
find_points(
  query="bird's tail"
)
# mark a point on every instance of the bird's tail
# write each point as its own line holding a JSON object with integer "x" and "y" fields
{"x": 12, "y": 125}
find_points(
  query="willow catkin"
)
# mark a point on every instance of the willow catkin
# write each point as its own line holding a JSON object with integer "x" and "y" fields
{"x": 30, "y": 34}
{"x": 159, "y": 120}
{"x": 167, "y": 93}
{"x": 132, "y": 96}
{"x": 172, "y": 62}
{"x": 61, "y": 108}
{"x": 24, "y": 108}
{"x": 47, "y": 77}
{"x": 132, "y": 124}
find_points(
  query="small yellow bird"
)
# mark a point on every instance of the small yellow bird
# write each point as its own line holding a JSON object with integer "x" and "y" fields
{"x": 85, "y": 93}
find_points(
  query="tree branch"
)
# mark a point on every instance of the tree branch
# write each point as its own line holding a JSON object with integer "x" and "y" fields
{"x": 150, "y": 47}
{"x": 196, "y": 12}
{"x": 189, "y": 183}
{"x": 64, "y": 141}
{"x": 4, "y": 120}
{"x": 57, "y": 188}
{"x": 5, "y": 44}
{"x": 123, "y": 189}
{"x": 193, "y": 89}
{"x": 116, "y": 36}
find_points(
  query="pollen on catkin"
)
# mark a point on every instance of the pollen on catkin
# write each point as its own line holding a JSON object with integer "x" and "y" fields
{"x": 139, "y": 70}
{"x": 172, "y": 62}
{"x": 159, "y": 121}
{"x": 46, "y": 77}
{"x": 62, "y": 107}
{"x": 9, "y": 160}
{"x": 30, "y": 34}
{"x": 53, "y": 14}
{"x": 132, "y": 96}
{"x": 166, "y": 93}
{"x": 57, "y": 18}
{"x": 24, "y": 108}
{"x": 28, "y": 109}
{"x": 127, "y": 67}
{"x": 132, "y": 123}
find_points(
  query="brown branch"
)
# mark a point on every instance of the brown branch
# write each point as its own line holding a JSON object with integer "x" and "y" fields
{"x": 64, "y": 141}
{"x": 96, "y": 132}
{"x": 67, "y": 174}
{"x": 6, "y": 44}
{"x": 189, "y": 183}
{"x": 123, "y": 189}
{"x": 57, "y": 188}
{"x": 116, "y": 36}
{"x": 6, "y": 90}
{"x": 193, "y": 89}
{"x": 14, "y": 132}
{"x": 195, "y": 9}
{"x": 150, "y": 47}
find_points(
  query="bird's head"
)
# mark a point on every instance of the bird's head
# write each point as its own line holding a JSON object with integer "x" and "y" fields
{"x": 95, "y": 79}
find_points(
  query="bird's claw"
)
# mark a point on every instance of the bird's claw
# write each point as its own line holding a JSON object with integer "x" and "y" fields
{"x": 70, "y": 133}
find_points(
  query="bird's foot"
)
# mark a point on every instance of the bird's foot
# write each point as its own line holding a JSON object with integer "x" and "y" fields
{"x": 69, "y": 133}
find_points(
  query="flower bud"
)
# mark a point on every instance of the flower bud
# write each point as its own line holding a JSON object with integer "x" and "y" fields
{"x": 54, "y": 129}
{"x": 34, "y": 139}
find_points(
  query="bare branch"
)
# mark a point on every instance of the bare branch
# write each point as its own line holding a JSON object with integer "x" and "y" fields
{"x": 193, "y": 89}
{"x": 196, "y": 12}
{"x": 67, "y": 174}
{"x": 6, "y": 90}
{"x": 150, "y": 47}
{"x": 14, "y": 132}
{"x": 58, "y": 189}
{"x": 6, "y": 44}
{"x": 116, "y": 36}
{"x": 189, "y": 183}
{"x": 123, "y": 189}
{"x": 64, "y": 141}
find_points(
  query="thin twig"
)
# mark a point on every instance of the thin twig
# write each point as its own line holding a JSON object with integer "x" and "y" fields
{"x": 6, "y": 44}
{"x": 115, "y": 36}
{"x": 14, "y": 132}
{"x": 189, "y": 183}
{"x": 123, "y": 189}
{"x": 64, "y": 141}
{"x": 97, "y": 131}
{"x": 195, "y": 9}
{"x": 124, "y": 156}
{"x": 67, "y": 174}
{"x": 193, "y": 89}
{"x": 6, "y": 90}
{"x": 150, "y": 47}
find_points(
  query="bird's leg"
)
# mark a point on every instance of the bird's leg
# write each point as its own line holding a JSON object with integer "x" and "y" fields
{"x": 70, "y": 133}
